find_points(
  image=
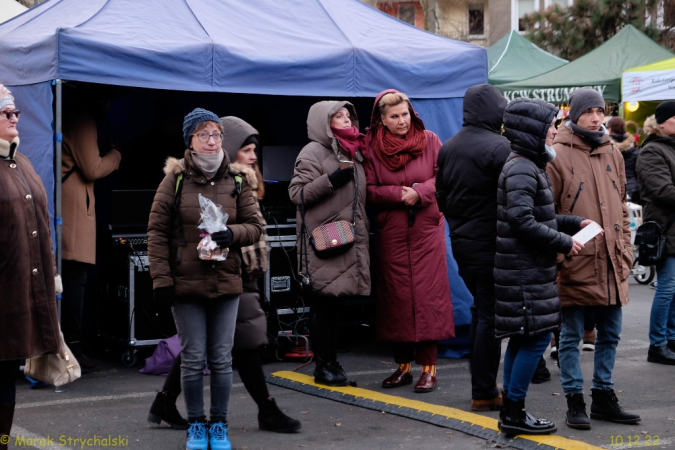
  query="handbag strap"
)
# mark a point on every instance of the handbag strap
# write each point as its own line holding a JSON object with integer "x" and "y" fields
{"x": 669, "y": 223}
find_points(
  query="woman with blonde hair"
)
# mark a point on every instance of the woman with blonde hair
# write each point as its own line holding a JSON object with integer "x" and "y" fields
{"x": 413, "y": 291}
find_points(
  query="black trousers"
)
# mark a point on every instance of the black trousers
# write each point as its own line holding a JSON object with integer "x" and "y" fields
{"x": 8, "y": 372}
{"x": 74, "y": 275}
{"x": 324, "y": 321}
{"x": 485, "y": 348}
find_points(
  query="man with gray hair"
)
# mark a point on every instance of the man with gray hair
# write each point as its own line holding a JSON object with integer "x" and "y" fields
{"x": 589, "y": 180}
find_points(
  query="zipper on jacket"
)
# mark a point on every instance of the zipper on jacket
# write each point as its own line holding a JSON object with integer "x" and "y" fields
{"x": 617, "y": 189}
{"x": 576, "y": 197}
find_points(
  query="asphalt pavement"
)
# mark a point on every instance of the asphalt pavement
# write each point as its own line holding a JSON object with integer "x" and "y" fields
{"x": 109, "y": 408}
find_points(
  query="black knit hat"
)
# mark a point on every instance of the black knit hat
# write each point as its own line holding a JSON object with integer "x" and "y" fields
{"x": 664, "y": 111}
{"x": 583, "y": 99}
{"x": 197, "y": 116}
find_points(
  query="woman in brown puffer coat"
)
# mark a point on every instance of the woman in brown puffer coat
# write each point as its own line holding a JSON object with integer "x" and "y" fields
{"x": 204, "y": 293}
{"x": 241, "y": 143}
{"x": 28, "y": 322}
{"x": 329, "y": 193}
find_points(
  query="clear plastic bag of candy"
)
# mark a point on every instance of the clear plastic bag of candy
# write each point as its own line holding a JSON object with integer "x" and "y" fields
{"x": 213, "y": 219}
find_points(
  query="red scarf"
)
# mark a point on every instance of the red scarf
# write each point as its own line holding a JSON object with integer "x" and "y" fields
{"x": 395, "y": 152}
{"x": 349, "y": 139}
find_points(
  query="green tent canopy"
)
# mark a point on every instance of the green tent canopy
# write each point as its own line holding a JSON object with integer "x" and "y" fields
{"x": 600, "y": 69}
{"x": 514, "y": 58}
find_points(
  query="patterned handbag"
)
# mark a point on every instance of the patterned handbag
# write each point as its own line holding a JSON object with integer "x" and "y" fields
{"x": 332, "y": 238}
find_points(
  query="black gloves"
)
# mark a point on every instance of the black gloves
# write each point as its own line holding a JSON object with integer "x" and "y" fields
{"x": 341, "y": 177}
{"x": 222, "y": 238}
{"x": 164, "y": 296}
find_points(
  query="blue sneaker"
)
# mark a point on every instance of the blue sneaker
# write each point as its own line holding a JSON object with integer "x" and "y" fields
{"x": 196, "y": 436}
{"x": 218, "y": 436}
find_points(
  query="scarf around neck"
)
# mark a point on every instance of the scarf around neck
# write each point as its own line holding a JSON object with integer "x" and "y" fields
{"x": 395, "y": 152}
{"x": 349, "y": 139}
{"x": 209, "y": 163}
{"x": 595, "y": 138}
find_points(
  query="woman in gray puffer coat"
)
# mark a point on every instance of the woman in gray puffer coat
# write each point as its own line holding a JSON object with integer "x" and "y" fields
{"x": 527, "y": 304}
{"x": 329, "y": 191}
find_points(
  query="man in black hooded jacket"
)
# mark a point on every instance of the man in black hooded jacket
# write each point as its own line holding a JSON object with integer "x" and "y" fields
{"x": 469, "y": 165}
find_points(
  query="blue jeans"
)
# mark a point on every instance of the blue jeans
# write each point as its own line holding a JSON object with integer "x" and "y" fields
{"x": 520, "y": 362}
{"x": 662, "y": 319}
{"x": 206, "y": 331}
{"x": 608, "y": 324}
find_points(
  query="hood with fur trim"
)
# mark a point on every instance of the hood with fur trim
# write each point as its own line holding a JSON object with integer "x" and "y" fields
{"x": 625, "y": 145}
{"x": 176, "y": 166}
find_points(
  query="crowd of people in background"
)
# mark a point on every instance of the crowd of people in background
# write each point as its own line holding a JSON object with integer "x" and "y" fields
{"x": 513, "y": 187}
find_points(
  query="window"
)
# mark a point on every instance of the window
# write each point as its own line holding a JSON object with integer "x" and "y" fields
{"x": 476, "y": 19}
{"x": 561, "y": 3}
{"x": 406, "y": 13}
{"x": 525, "y": 7}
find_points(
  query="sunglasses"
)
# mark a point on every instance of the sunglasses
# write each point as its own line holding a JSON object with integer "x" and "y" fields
{"x": 9, "y": 114}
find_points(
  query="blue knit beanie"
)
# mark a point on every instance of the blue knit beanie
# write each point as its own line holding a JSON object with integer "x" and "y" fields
{"x": 197, "y": 116}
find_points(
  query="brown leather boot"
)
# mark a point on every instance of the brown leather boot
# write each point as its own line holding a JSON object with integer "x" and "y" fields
{"x": 6, "y": 418}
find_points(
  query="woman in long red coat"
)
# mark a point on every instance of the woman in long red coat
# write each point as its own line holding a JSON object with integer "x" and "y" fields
{"x": 413, "y": 291}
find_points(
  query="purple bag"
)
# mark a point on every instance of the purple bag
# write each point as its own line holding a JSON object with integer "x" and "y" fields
{"x": 162, "y": 359}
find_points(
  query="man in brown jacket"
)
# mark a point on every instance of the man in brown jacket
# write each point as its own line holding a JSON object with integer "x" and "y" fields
{"x": 81, "y": 165}
{"x": 588, "y": 179}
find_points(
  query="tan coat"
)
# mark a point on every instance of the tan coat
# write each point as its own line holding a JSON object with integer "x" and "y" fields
{"x": 591, "y": 184}
{"x": 28, "y": 323}
{"x": 347, "y": 274}
{"x": 80, "y": 149}
{"x": 174, "y": 265}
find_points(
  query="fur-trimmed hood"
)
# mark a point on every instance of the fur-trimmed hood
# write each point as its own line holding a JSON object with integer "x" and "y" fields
{"x": 652, "y": 127}
{"x": 626, "y": 144}
{"x": 176, "y": 166}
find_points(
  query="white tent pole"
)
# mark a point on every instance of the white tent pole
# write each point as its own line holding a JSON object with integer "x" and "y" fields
{"x": 58, "y": 124}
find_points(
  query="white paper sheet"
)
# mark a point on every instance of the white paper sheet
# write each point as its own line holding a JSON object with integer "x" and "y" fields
{"x": 587, "y": 233}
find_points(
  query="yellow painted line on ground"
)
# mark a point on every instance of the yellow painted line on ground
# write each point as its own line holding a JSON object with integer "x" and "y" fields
{"x": 445, "y": 411}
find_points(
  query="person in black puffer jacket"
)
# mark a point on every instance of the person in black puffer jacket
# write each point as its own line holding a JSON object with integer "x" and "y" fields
{"x": 527, "y": 306}
{"x": 469, "y": 164}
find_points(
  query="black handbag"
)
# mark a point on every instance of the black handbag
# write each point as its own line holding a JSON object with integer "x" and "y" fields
{"x": 651, "y": 241}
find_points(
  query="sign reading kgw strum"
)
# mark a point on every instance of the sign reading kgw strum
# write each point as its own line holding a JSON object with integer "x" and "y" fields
{"x": 551, "y": 95}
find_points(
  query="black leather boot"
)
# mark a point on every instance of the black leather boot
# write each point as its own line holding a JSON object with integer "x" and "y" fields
{"x": 542, "y": 374}
{"x": 164, "y": 408}
{"x": 605, "y": 406}
{"x": 271, "y": 418}
{"x": 329, "y": 373}
{"x": 515, "y": 420}
{"x": 6, "y": 418}
{"x": 576, "y": 412}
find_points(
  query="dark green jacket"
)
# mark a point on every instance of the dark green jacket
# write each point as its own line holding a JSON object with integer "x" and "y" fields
{"x": 656, "y": 177}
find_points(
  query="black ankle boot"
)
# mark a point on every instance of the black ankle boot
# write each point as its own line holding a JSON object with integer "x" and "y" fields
{"x": 271, "y": 418}
{"x": 6, "y": 418}
{"x": 328, "y": 374}
{"x": 576, "y": 412}
{"x": 164, "y": 408}
{"x": 518, "y": 421}
{"x": 605, "y": 406}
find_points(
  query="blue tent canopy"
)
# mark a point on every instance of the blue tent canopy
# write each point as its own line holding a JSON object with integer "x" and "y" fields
{"x": 294, "y": 47}
{"x": 321, "y": 48}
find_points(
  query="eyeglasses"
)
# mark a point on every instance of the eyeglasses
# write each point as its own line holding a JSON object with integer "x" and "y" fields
{"x": 204, "y": 137}
{"x": 9, "y": 114}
